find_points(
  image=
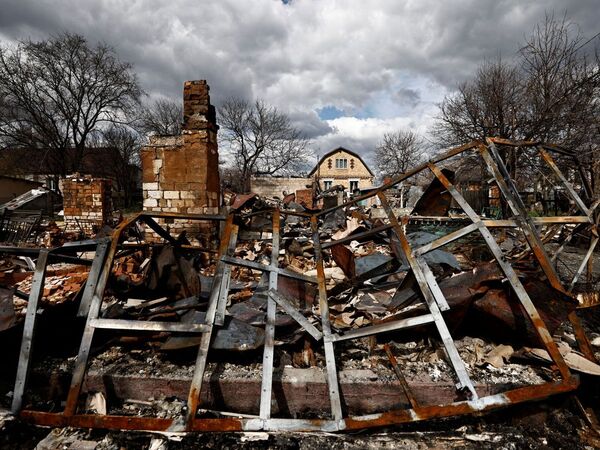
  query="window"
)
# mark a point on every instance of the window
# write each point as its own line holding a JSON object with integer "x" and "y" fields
{"x": 353, "y": 185}
{"x": 327, "y": 184}
{"x": 341, "y": 163}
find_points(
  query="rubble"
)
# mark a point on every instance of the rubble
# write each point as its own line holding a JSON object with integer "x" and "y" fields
{"x": 343, "y": 296}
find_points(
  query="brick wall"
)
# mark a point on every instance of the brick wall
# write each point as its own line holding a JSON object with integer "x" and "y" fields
{"x": 275, "y": 186}
{"x": 181, "y": 173}
{"x": 86, "y": 199}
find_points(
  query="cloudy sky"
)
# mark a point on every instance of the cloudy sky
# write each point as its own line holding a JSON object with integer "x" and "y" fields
{"x": 345, "y": 71}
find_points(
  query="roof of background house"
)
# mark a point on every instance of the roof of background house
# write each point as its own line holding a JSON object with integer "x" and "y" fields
{"x": 335, "y": 150}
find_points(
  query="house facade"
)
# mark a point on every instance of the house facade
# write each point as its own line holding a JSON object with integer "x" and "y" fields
{"x": 343, "y": 167}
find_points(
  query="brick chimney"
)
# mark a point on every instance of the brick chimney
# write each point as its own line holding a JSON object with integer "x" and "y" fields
{"x": 181, "y": 173}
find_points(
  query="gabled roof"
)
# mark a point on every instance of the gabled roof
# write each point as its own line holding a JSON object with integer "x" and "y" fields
{"x": 335, "y": 150}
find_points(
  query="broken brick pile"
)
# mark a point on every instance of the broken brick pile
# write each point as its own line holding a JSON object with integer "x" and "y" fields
{"x": 86, "y": 199}
{"x": 181, "y": 173}
{"x": 58, "y": 289}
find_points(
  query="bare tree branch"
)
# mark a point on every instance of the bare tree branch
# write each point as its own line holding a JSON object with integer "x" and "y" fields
{"x": 399, "y": 152}
{"x": 261, "y": 140}
{"x": 56, "y": 93}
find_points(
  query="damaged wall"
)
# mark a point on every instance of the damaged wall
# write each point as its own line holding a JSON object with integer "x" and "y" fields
{"x": 275, "y": 186}
{"x": 86, "y": 199}
{"x": 181, "y": 173}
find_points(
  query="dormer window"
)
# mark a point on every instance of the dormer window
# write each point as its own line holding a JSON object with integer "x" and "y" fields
{"x": 341, "y": 163}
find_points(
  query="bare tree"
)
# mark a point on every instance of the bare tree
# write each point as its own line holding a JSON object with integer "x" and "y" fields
{"x": 162, "y": 117}
{"x": 125, "y": 144}
{"x": 491, "y": 104}
{"x": 261, "y": 139}
{"x": 399, "y": 152}
{"x": 549, "y": 94}
{"x": 56, "y": 93}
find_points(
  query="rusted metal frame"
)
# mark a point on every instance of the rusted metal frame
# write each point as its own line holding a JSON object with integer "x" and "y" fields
{"x": 35, "y": 295}
{"x": 560, "y": 220}
{"x": 268, "y": 268}
{"x": 481, "y": 405}
{"x": 394, "y": 417}
{"x": 510, "y": 274}
{"x": 138, "y": 325}
{"x": 583, "y": 262}
{"x": 332, "y": 377}
{"x": 200, "y": 366}
{"x": 429, "y": 296}
{"x": 503, "y": 141}
{"x": 438, "y": 295}
{"x": 511, "y": 194}
{"x": 269, "y": 345}
{"x": 226, "y": 279}
{"x": 397, "y": 180}
{"x": 382, "y": 328}
{"x": 557, "y": 172}
{"x": 94, "y": 310}
{"x": 445, "y": 240}
{"x": 293, "y": 312}
{"x": 92, "y": 279}
{"x": 409, "y": 396}
{"x": 355, "y": 237}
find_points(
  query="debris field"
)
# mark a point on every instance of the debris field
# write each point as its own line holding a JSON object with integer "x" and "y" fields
{"x": 330, "y": 317}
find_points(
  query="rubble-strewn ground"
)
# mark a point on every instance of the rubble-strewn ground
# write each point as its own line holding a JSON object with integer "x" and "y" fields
{"x": 368, "y": 283}
{"x": 552, "y": 425}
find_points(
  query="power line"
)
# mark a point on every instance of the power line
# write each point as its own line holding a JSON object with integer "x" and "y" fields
{"x": 588, "y": 41}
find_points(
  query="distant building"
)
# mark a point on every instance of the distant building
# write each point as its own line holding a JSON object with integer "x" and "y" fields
{"x": 343, "y": 167}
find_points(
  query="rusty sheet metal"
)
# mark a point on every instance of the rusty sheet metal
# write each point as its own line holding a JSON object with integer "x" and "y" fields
{"x": 436, "y": 200}
{"x": 500, "y": 315}
{"x": 344, "y": 258}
